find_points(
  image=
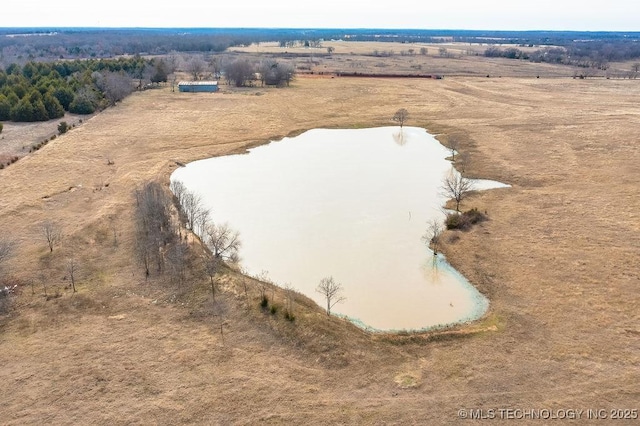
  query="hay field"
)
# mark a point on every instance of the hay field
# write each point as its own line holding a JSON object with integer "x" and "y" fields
{"x": 559, "y": 260}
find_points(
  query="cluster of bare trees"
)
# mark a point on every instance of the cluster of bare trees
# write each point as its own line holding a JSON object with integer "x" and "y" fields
{"x": 222, "y": 242}
{"x": 239, "y": 72}
{"x": 274, "y": 73}
{"x": 200, "y": 68}
{"x": 115, "y": 85}
{"x": 155, "y": 231}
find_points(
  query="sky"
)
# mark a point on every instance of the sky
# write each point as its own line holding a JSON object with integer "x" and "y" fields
{"x": 561, "y": 15}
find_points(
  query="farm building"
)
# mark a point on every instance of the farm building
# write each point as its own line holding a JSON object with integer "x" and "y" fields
{"x": 198, "y": 86}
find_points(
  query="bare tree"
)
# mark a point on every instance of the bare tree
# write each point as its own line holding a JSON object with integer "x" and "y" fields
{"x": 211, "y": 267}
{"x": 453, "y": 143}
{"x": 215, "y": 65}
{"x": 115, "y": 86}
{"x": 145, "y": 249}
{"x": 178, "y": 190}
{"x": 196, "y": 66}
{"x": 179, "y": 261}
{"x": 239, "y": 72}
{"x": 192, "y": 208}
{"x": 72, "y": 270}
{"x": 201, "y": 221}
{"x": 330, "y": 49}
{"x": 263, "y": 285}
{"x": 154, "y": 228}
{"x": 331, "y": 291}
{"x": 456, "y": 186}
{"x": 401, "y": 116}
{"x": 245, "y": 283}
{"x": 274, "y": 73}
{"x": 463, "y": 162}
{"x": 223, "y": 242}
{"x": 174, "y": 82}
{"x": 432, "y": 236}
{"x": 290, "y": 301}
{"x": 52, "y": 234}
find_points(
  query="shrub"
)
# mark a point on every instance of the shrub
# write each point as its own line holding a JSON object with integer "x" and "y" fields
{"x": 274, "y": 309}
{"x": 464, "y": 220}
{"x": 1, "y": 127}
{"x": 474, "y": 216}
{"x": 63, "y": 127}
{"x": 264, "y": 302}
{"x": 289, "y": 316}
{"x": 456, "y": 221}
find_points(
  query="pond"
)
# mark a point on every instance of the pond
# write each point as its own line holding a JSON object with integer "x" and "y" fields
{"x": 352, "y": 204}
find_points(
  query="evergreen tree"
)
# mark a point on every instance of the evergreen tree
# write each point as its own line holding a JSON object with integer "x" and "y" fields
{"x": 53, "y": 107}
{"x": 84, "y": 102}
{"x": 5, "y": 108}
{"x": 64, "y": 95}
{"x": 23, "y": 111}
{"x": 39, "y": 111}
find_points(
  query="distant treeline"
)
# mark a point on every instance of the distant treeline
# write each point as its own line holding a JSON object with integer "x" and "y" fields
{"x": 594, "y": 53}
{"x": 65, "y": 43}
{"x": 40, "y": 91}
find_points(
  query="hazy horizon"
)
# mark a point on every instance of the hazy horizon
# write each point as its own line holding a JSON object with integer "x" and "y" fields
{"x": 490, "y": 15}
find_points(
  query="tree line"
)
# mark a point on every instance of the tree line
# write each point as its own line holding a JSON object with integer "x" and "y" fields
{"x": 585, "y": 54}
{"x": 40, "y": 91}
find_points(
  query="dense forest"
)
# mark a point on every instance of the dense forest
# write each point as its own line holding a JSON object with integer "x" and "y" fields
{"x": 40, "y": 91}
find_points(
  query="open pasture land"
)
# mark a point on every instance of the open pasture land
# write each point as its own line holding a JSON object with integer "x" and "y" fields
{"x": 443, "y": 59}
{"x": 559, "y": 260}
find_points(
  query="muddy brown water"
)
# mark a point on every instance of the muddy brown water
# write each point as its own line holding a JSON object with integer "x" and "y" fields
{"x": 352, "y": 204}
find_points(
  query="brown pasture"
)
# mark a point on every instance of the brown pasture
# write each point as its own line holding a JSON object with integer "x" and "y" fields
{"x": 559, "y": 259}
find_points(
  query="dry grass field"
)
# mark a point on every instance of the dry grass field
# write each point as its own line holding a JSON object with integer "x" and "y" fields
{"x": 559, "y": 260}
{"x": 459, "y": 59}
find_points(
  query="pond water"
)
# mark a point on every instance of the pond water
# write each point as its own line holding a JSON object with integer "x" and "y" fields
{"x": 352, "y": 204}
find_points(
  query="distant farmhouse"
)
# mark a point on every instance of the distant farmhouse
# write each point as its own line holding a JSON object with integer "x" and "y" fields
{"x": 198, "y": 86}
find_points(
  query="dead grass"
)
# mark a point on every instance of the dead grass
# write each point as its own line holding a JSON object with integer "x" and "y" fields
{"x": 559, "y": 260}
{"x": 460, "y": 59}
{"x": 17, "y": 139}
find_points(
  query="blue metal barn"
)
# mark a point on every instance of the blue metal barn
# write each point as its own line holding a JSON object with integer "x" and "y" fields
{"x": 198, "y": 86}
